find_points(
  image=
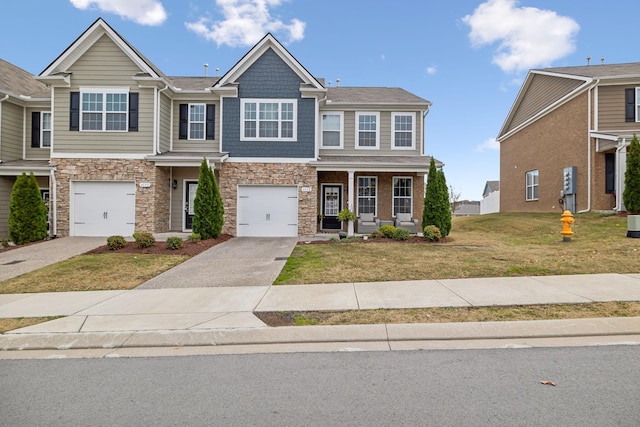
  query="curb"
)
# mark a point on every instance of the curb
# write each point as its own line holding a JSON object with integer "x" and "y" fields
{"x": 388, "y": 333}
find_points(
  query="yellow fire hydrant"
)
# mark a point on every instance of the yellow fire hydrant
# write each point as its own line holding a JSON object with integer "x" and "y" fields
{"x": 567, "y": 224}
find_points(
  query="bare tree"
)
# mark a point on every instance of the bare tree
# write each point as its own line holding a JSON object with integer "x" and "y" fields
{"x": 454, "y": 198}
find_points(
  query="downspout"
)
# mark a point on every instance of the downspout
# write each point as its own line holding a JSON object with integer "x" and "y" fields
{"x": 53, "y": 200}
{"x": 589, "y": 123}
{"x": 318, "y": 127}
{"x": 1, "y": 101}
{"x": 424, "y": 130}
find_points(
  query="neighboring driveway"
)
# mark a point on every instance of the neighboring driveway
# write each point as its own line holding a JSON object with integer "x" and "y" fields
{"x": 18, "y": 261}
{"x": 241, "y": 261}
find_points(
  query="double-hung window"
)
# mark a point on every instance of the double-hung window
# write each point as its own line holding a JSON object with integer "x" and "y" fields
{"x": 268, "y": 119}
{"x": 532, "y": 185}
{"x": 367, "y": 130}
{"x": 196, "y": 121}
{"x": 332, "y": 124}
{"x": 402, "y": 195}
{"x": 367, "y": 194}
{"x": 104, "y": 109}
{"x": 403, "y": 130}
{"x": 45, "y": 129}
{"x": 632, "y": 104}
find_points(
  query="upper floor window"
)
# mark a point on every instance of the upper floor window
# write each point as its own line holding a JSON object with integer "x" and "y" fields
{"x": 332, "y": 124}
{"x": 402, "y": 195}
{"x": 367, "y": 130}
{"x": 632, "y": 104}
{"x": 367, "y": 194}
{"x": 104, "y": 109}
{"x": 45, "y": 129}
{"x": 196, "y": 121}
{"x": 532, "y": 185}
{"x": 403, "y": 130}
{"x": 268, "y": 119}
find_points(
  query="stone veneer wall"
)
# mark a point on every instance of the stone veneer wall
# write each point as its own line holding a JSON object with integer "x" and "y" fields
{"x": 152, "y": 203}
{"x": 233, "y": 174}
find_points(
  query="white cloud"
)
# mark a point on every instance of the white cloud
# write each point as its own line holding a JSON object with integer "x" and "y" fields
{"x": 432, "y": 70}
{"x": 528, "y": 37}
{"x": 489, "y": 144}
{"x": 144, "y": 12}
{"x": 245, "y": 23}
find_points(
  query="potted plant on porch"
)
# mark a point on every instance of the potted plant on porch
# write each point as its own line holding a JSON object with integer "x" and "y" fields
{"x": 631, "y": 194}
{"x": 345, "y": 215}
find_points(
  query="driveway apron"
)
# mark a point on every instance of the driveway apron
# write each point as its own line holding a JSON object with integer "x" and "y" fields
{"x": 241, "y": 261}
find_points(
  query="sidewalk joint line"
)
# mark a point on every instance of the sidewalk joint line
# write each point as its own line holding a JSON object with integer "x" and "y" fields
{"x": 455, "y": 293}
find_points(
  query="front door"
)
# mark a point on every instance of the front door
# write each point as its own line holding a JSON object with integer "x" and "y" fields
{"x": 331, "y": 204}
{"x": 190, "y": 188}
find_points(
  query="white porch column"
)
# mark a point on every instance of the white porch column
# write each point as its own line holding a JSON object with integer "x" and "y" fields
{"x": 350, "y": 204}
{"x": 621, "y": 169}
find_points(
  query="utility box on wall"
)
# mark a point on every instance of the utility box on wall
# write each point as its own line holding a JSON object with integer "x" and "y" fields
{"x": 569, "y": 175}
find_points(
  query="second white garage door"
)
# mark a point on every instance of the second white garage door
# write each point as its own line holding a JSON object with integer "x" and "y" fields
{"x": 103, "y": 208}
{"x": 267, "y": 211}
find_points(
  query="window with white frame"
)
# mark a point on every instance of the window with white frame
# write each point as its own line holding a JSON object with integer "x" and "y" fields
{"x": 197, "y": 120}
{"x": 532, "y": 185}
{"x": 367, "y": 130}
{"x": 104, "y": 109}
{"x": 45, "y": 129}
{"x": 402, "y": 195}
{"x": 367, "y": 194}
{"x": 270, "y": 119}
{"x": 402, "y": 131}
{"x": 638, "y": 104}
{"x": 332, "y": 124}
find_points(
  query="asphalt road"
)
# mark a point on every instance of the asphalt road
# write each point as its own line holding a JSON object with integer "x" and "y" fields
{"x": 595, "y": 386}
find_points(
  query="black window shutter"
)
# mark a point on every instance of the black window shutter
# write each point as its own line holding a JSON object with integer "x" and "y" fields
{"x": 133, "y": 111}
{"x": 211, "y": 109}
{"x": 35, "y": 130}
{"x": 609, "y": 173}
{"x": 74, "y": 111}
{"x": 184, "y": 121}
{"x": 630, "y": 105}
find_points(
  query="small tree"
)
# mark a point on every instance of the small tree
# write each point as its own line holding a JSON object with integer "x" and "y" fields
{"x": 27, "y": 212}
{"x": 631, "y": 194}
{"x": 208, "y": 211}
{"x": 454, "y": 198}
{"x": 436, "y": 210}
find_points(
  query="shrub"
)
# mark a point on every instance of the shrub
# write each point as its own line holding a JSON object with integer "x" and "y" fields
{"x": 401, "y": 234}
{"x": 387, "y": 231}
{"x": 437, "y": 208}
{"x": 4, "y": 242}
{"x": 116, "y": 242}
{"x": 377, "y": 234}
{"x": 432, "y": 233}
{"x": 195, "y": 237}
{"x": 143, "y": 240}
{"x": 208, "y": 211}
{"x": 174, "y": 243}
{"x": 631, "y": 193}
{"x": 27, "y": 211}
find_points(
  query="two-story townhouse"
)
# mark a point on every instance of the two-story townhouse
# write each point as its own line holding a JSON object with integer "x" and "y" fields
{"x": 569, "y": 120}
{"x": 126, "y": 142}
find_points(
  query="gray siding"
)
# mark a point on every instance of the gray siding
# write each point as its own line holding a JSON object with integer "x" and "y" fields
{"x": 103, "y": 65}
{"x": 269, "y": 77}
{"x": 11, "y": 122}
{"x": 211, "y": 145}
{"x": 6, "y": 184}
{"x": 611, "y": 109}
{"x": 542, "y": 92}
{"x": 34, "y": 153}
{"x": 165, "y": 123}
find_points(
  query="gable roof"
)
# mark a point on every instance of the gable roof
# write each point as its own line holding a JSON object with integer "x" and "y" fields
{"x": 16, "y": 82}
{"x": 373, "y": 95}
{"x": 268, "y": 42}
{"x": 546, "y": 89}
{"x": 72, "y": 53}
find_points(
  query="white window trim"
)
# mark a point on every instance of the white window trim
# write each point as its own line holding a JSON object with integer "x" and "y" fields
{"x": 393, "y": 197}
{"x": 393, "y": 130}
{"x": 357, "y": 127}
{"x": 637, "y": 106}
{"x": 259, "y": 101}
{"x": 104, "y": 91}
{"x": 375, "y": 213}
{"x": 333, "y": 113}
{"x": 531, "y": 173}
{"x": 43, "y": 130}
{"x": 189, "y": 122}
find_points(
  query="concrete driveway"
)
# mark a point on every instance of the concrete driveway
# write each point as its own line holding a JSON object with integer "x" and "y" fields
{"x": 241, "y": 261}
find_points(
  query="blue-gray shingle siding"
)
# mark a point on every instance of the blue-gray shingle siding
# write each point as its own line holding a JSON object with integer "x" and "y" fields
{"x": 269, "y": 77}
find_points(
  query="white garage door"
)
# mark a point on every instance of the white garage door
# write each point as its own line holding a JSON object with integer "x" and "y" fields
{"x": 103, "y": 208}
{"x": 267, "y": 211}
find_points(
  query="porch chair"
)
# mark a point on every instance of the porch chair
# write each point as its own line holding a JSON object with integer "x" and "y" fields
{"x": 404, "y": 220}
{"x": 367, "y": 223}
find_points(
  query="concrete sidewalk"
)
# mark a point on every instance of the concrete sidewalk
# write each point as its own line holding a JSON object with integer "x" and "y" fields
{"x": 201, "y": 316}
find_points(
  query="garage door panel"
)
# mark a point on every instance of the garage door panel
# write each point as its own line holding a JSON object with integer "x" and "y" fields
{"x": 103, "y": 208}
{"x": 267, "y": 211}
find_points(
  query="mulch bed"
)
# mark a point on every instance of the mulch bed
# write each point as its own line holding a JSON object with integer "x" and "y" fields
{"x": 189, "y": 248}
{"x": 413, "y": 239}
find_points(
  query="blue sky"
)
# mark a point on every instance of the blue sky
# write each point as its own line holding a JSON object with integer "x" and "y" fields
{"x": 468, "y": 57}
